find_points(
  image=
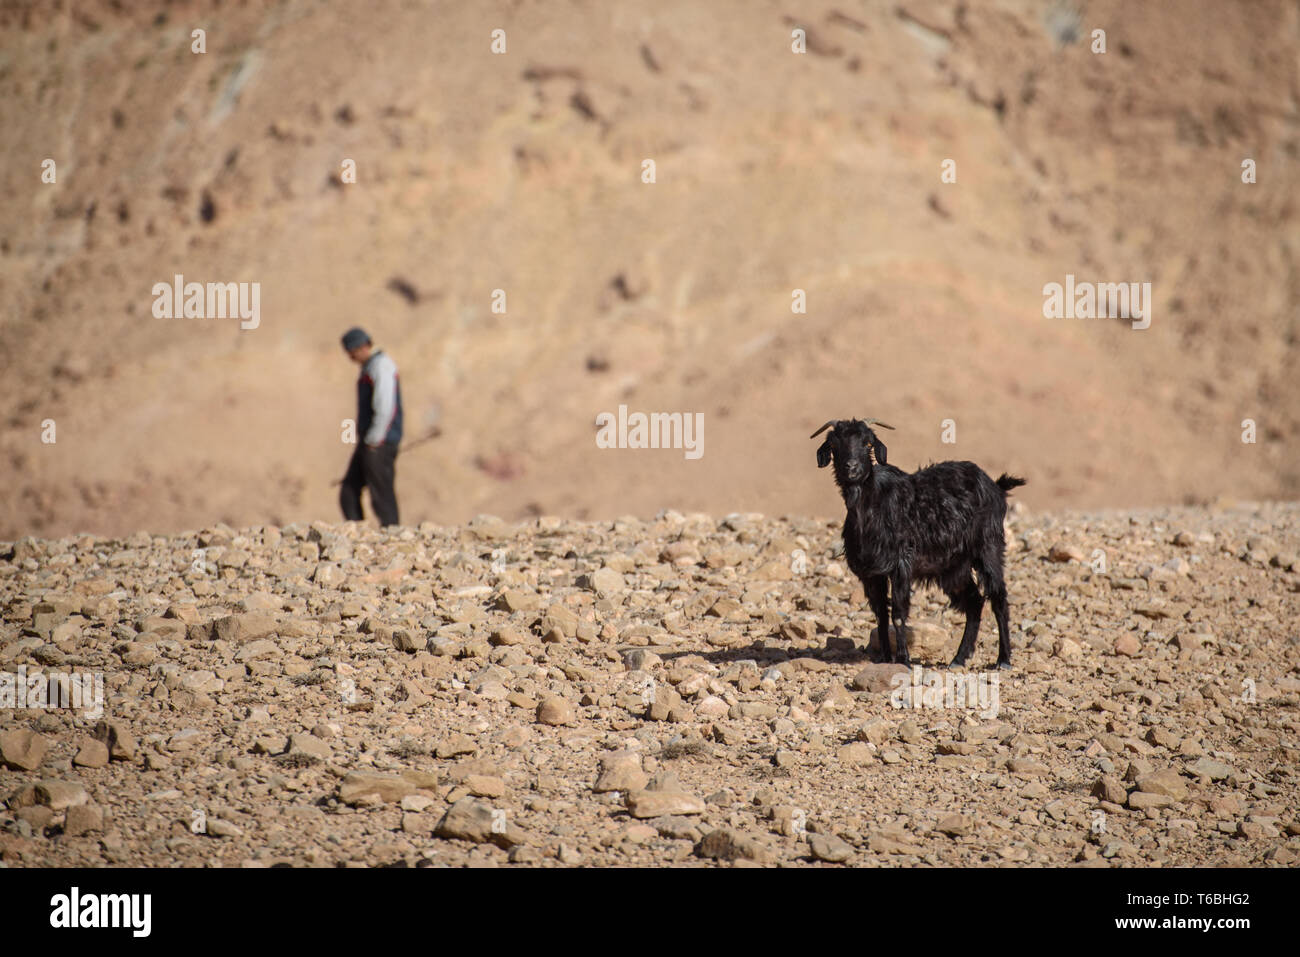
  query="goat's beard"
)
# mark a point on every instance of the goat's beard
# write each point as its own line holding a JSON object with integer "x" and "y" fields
{"x": 851, "y": 488}
{"x": 853, "y": 501}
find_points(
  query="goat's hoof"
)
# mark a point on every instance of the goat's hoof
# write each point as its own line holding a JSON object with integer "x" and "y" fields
{"x": 957, "y": 663}
{"x": 1004, "y": 665}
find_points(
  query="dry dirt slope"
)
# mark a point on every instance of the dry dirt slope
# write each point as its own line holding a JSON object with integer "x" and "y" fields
{"x": 776, "y": 171}
{"x": 686, "y": 690}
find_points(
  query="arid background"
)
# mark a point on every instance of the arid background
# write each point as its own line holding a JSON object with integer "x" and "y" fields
{"x": 572, "y": 656}
{"x": 521, "y": 172}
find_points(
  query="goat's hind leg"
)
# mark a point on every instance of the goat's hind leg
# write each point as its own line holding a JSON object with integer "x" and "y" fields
{"x": 996, "y": 588}
{"x": 998, "y": 600}
{"x": 877, "y": 590}
{"x": 966, "y": 598}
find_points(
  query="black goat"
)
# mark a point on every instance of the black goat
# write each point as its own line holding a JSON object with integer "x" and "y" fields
{"x": 937, "y": 525}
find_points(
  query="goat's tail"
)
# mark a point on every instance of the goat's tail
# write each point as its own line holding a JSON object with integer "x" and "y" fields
{"x": 1008, "y": 482}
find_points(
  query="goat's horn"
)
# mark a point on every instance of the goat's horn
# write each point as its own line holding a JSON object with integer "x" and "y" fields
{"x": 883, "y": 425}
{"x": 823, "y": 428}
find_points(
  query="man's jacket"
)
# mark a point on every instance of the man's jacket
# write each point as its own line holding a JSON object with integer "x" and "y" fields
{"x": 379, "y": 401}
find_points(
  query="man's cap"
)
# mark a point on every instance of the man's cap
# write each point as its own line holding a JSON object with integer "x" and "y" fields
{"x": 355, "y": 338}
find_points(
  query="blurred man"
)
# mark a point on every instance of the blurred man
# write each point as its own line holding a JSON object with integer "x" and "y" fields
{"x": 379, "y": 423}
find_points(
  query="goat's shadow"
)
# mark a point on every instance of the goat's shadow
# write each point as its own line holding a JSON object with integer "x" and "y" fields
{"x": 833, "y": 653}
{"x": 769, "y": 657}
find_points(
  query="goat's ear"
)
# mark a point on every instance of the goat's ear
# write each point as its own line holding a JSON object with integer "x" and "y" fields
{"x": 824, "y": 454}
{"x": 879, "y": 450}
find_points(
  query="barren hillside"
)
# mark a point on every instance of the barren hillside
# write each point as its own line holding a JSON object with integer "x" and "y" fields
{"x": 521, "y": 171}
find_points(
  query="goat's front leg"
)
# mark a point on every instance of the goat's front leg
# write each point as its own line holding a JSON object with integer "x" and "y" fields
{"x": 877, "y": 589}
{"x": 901, "y": 600}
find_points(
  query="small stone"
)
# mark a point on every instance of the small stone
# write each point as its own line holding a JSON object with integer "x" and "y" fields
{"x": 829, "y": 848}
{"x": 604, "y": 582}
{"x": 1110, "y": 788}
{"x": 954, "y": 825}
{"x": 874, "y": 732}
{"x": 456, "y": 745}
{"x": 1127, "y": 646}
{"x": 60, "y": 795}
{"x": 485, "y": 785}
{"x": 640, "y": 659}
{"x": 185, "y": 739}
{"x": 1212, "y": 769}
{"x": 22, "y": 750}
{"x": 1141, "y": 800}
{"x": 387, "y": 788}
{"x": 677, "y": 828}
{"x": 647, "y": 804}
{"x": 666, "y": 706}
{"x": 712, "y": 706}
{"x": 1027, "y": 767}
{"x": 568, "y": 855}
{"x": 328, "y": 575}
{"x": 256, "y": 650}
{"x": 555, "y": 711}
{"x": 514, "y": 599}
{"x": 92, "y": 754}
{"x": 1066, "y": 648}
{"x": 259, "y": 601}
{"x": 83, "y": 819}
{"x": 789, "y": 820}
{"x": 620, "y": 771}
{"x": 1167, "y": 782}
{"x": 415, "y": 803}
{"x": 243, "y": 628}
{"x": 1062, "y": 552}
{"x": 836, "y": 699}
{"x": 474, "y": 821}
{"x": 680, "y": 553}
{"x": 728, "y": 845}
{"x": 1164, "y": 739}
{"x": 506, "y": 637}
{"x": 310, "y": 745}
{"x": 219, "y": 827}
{"x": 639, "y": 833}
{"x": 559, "y": 618}
{"x": 413, "y": 822}
{"x": 880, "y": 677}
{"x": 856, "y": 752}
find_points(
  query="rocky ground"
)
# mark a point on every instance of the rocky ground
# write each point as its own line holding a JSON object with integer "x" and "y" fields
{"x": 683, "y": 690}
